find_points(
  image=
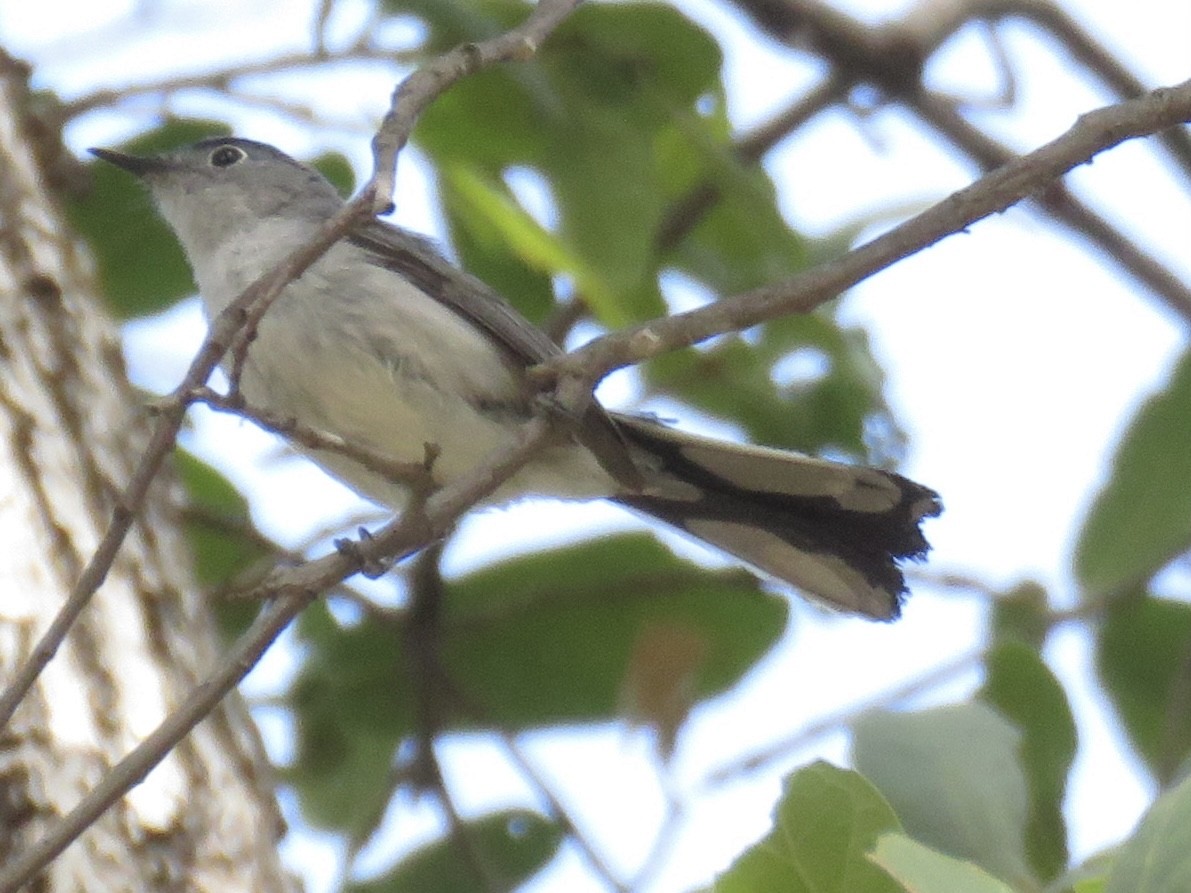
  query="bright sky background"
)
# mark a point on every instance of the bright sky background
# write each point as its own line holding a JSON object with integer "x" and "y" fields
{"x": 1014, "y": 357}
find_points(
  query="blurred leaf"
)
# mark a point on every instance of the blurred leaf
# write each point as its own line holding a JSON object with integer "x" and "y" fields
{"x": 1091, "y": 876}
{"x": 513, "y": 844}
{"x": 483, "y": 251}
{"x": 1022, "y": 614}
{"x": 454, "y": 22}
{"x": 141, "y": 267}
{"x": 659, "y": 684}
{"x": 826, "y": 822}
{"x": 609, "y": 203}
{"x": 222, "y": 537}
{"x": 953, "y": 776}
{"x": 1141, "y": 519}
{"x": 547, "y": 638}
{"x": 742, "y": 242}
{"x": 493, "y": 119}
{"x": 484, "y": 204}
{"x": 922, "y": 870}
{"x": 1020, "y": 685}
{"x": 642, "y": 60}
{"x": 830, "y": 406}
{"x": 532, "y": 641}
{"x": 353, "y": 703}
{"x": 1157, "y": 859}
{"x": 1143, "y": 656}
{"x": 336, "y": 168}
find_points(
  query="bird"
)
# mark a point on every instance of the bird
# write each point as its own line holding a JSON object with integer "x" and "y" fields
{"x": 386, "y": 344}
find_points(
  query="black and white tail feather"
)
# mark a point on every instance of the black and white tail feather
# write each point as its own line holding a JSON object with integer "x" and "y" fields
{"x": 835, "y": 531}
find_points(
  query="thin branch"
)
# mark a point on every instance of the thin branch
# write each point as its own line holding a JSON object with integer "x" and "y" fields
{"x": 416, "y": 475}
{"x": 224, "y": 78}
{"x": 1022, "y": 177}
{"x": 1058, "y": 201}
{"x": 832, "y": 722}
{"x": 1094, "y": 57}
{"x": 685, "y": 214}
{"x": 418, "y": 90}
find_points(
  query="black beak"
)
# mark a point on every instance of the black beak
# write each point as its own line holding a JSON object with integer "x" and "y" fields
{"x": 137, "y": 165}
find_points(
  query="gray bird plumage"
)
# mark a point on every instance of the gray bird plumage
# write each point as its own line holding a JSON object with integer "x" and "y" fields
{"x": 386, "y": 344}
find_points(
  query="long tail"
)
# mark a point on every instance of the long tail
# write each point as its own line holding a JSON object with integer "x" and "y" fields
{"x": 837, "y": 532}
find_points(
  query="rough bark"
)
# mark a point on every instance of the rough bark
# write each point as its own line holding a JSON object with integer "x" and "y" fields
{"x": 71, "y": 428}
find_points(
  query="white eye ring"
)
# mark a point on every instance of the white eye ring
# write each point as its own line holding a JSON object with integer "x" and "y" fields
{"x": 226, "y": 156}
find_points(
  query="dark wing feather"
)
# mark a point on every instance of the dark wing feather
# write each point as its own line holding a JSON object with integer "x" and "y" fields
{"x": 415, "y": 258}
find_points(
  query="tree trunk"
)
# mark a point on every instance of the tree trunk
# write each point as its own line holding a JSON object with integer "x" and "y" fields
{"x": 71, "y": 430}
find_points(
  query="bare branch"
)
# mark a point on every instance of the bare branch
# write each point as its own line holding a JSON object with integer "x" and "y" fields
{"x": 685, "y": 214}
{"x": 224, "y": 78}
{"x": 416, "y": 475}
{"x": 835, "y": 721}
{"x": 1093, "y": 133}
{"x": 422, "y": 87}
{"x": 1058, "y": 200}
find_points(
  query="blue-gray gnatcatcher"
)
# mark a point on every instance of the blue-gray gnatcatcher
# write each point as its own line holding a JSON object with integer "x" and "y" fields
{"x": 385, "y": 344}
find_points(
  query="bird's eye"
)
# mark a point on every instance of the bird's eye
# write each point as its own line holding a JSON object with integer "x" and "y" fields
{"x": 226, "y": 156}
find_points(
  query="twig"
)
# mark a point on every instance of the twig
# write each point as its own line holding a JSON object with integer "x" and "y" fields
{"x": 224, "y": 78}
{"x": 833, "y": 721}
{"x": 559, "y": 813}
{"x": 419, "y": 89}
{"x": 1058, "y": 201}
{"x": 686, "y": 213}
{"x": 1093, "y": 133}
{"x": 416, "y": 475}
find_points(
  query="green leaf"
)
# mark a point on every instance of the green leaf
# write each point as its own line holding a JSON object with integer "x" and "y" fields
{"x": 546, "y": 638}
{"x": 532, "y": 641}
{"x": 1142, "y": 657}
{"x": 737, "y": 379}
{"x": 742, "y": 241}
{"x": 1141, "y": 519}
{"x": 336, "y": 168}
{"x": 1023, "y": 614}
{"x": 142, "y": 270}
{"x": 493, "y": 119}
{"x": 353, "y": 702}
{"x": 482, "y": 203}
{"x": 513, "y": 845}
{"x": 1157, "y": 858}
{"x": 1022, "y": 688}
{"x": 920, "y": 869}
{"x": 1091, "y": 876}
{"x": 826, "y": 822}
{"x": 643, "y": 60}
{"x": 608, "y": 202}
{"x": 953, "y": 776}
{"x": 225, "y": 544}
